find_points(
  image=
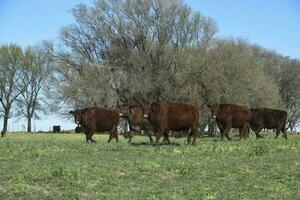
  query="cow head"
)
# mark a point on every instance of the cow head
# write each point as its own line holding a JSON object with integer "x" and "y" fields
{"x": 152, "y": 111}
{"x": 135, "y": 114}
{"x": 146, "y": 110}
{"x": 123, "y": 111}
{"x": 77, "y": 116}
{"x": 214, "y": 110}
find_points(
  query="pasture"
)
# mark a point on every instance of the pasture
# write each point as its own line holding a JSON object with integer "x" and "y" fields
{"x": 64, "y": 166}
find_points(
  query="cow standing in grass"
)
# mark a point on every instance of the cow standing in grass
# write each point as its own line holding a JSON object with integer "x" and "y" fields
{"x": 137, "y": 122}
{"x": 97, "y": 120}
{"x": 173, "y": 116}
{"x": 269, "y": 119}
{"x": 231, "y": 116}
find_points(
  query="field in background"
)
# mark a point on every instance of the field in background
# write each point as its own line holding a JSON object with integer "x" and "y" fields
{"x": 58, "y": 166}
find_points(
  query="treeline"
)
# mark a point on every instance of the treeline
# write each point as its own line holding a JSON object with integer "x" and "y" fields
{"x": 23, "y": 73}
{"x": 124, "y": 51}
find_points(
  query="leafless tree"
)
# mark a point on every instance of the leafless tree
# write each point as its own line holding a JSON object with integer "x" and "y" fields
{"x": 10, "y": 74}
{"x": 37, "y": 64}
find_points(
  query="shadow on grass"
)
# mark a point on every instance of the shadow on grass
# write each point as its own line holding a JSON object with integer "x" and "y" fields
{"x": 149, "y": 144}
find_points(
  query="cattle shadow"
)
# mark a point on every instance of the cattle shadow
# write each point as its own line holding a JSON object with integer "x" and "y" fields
{"x": 152, "y": 144}
{"x": 234, "y": 138}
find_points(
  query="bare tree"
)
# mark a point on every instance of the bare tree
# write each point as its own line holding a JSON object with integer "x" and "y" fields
{"x": 10, "y": 74}
{"x": 36, "y": 68}
{"x": 290, "y": 91}
{"x": 133, "y": 47}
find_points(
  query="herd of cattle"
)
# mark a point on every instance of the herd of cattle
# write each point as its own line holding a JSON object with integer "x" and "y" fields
{"x": 159, "y": 118}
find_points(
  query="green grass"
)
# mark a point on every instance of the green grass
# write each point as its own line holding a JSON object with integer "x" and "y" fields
{"x": 57, "y": 166}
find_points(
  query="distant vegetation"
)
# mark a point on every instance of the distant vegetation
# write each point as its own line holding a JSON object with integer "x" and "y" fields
{"x": 122, "y": 52}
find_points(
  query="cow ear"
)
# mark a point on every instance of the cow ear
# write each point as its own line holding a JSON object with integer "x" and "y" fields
{"x": 155, "y": 107}
{"x": 71, "y": 112}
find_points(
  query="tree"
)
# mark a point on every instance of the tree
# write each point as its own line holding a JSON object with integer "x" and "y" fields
{"x": 36, "y": 68}
{"x": 289, "y": 86}
{"x": 130, "y": 49}
{"x": 10, "y": 74}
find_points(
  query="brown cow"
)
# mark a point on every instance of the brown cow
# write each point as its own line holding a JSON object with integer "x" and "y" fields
{"x": 97, "y": 119}
{"x": 136, "y": 120}
{"x": 173, "y": 116}
{"x": 268, "y": 118}
{"x": 231, "y": 116}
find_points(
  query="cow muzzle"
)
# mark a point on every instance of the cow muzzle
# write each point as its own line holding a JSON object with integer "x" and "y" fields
{"x": 121, "y": 114}
{"x": 215, "y": 117}
{"x": 77, "y": 122}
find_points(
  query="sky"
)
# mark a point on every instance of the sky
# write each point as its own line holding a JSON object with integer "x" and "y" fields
{"x": 273, "y": 24}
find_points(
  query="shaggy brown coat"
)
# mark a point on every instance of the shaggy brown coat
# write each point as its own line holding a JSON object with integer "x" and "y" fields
{"x": 231, "y": 116}
{"x": 269, "y": 119}
{"x": 97, "y": 120}
{"x": 173, "y": 116}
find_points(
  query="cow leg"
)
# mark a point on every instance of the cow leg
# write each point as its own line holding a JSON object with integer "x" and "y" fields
{"x": 87, "y": 137}
{"x": 248, "y": 130}
{"x": 257, "y": 133}
{"x": 277, "y": 133}
{"x": 242, "y": 133}
{"x": 149, "y": 133}
{"x": 117, "y": 138}
{"x": 150, "y": 138}
{"x": 194, "y": 133}
{"x": 222, "y": 133}
{"x": 226, "y": 131}
{"x": 284, "y": 132}
{"x": 158, "y": 135}
{"x": 110, "y": 137}
{"x": 90, "y": 135}
{"x": 189, "y": 138}
{"x": 130, "y": 136}
{"x": 115, "y": 133}
{"x": 166, "y": 138}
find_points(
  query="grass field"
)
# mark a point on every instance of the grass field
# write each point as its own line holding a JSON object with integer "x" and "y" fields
{"x": 64, "y": 166}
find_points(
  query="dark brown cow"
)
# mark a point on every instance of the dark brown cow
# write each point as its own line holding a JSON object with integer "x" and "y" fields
{"x": 137, "y": 122}
{"x": 97, "y": 120}
{"x": 268, "y": 118}
{"x": 173, "y": 116}
{"x": 231, "y": 116}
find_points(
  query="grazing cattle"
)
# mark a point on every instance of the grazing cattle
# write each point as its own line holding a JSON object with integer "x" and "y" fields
{"x": 231, "y": 116}
{"x": 173, "y": 116}
{"x": 97, "y": 119}
{"x": 268, "y": 118}
{"x": 136, "y": 120}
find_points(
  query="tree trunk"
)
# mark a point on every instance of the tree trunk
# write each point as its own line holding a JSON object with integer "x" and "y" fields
{"x": 5, "y": 122}
{"x": 29, "y": 124}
